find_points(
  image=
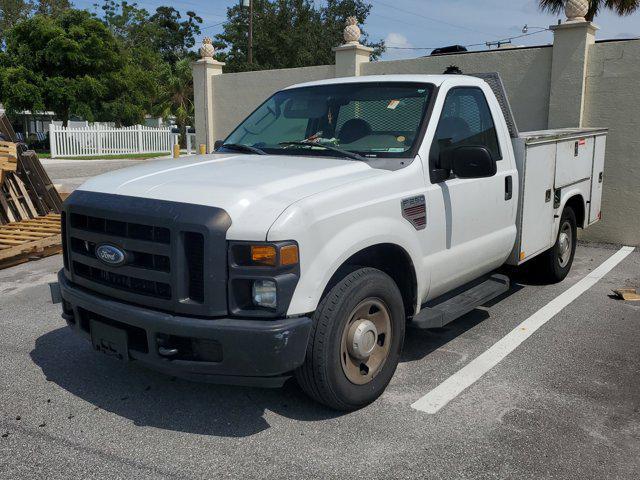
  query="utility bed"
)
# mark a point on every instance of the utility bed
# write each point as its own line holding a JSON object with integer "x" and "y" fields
{"x": 548, "y": 162}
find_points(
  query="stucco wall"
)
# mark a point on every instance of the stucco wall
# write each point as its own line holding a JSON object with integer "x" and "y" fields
{"x": 235, "y": 95}
{"x": 525, "y": 73}
{"x": 613, "y": 101}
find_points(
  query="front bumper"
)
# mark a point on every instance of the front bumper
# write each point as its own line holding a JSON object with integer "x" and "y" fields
{"x": 251, "y": 352}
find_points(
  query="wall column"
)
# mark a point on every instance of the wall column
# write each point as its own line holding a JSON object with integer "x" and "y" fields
{"x": 203, "y": 72}
{"x": 349, "y": 57}
{"x": 571, "y": 42}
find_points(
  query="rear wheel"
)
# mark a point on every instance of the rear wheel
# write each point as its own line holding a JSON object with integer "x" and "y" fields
{"x": 356, "y": 341}
{"x": 554, "y": 264}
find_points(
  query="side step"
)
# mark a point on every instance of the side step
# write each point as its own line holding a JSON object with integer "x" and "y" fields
{"x": 445, "y": 309}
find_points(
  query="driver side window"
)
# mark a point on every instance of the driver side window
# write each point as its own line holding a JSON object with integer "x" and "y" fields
{"x": 465, "y": 121}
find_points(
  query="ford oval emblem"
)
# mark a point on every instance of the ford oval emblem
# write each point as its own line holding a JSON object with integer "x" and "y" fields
{"x": 110, "y": 255}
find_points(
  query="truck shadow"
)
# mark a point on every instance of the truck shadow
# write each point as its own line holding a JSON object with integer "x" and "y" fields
{"x": 148, "y": 398}
{"x": 420, "y": 343}
{"x": 151, "y": 399}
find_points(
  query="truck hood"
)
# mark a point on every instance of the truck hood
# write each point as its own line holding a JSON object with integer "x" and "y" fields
{"x": 253, "y": 189}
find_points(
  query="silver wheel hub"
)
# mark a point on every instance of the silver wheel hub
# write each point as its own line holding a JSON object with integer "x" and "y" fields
{"x": 362, "y": 339}
{"x": 565, "y": 244}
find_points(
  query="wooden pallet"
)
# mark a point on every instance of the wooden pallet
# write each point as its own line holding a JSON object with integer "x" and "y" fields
{"x": 8, "y": 159}
{"x": 29, "y": 239}
{"x": 15, "y": 202}
{"x": 26, "y": 191}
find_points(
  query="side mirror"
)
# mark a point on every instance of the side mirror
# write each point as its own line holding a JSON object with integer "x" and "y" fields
{"x": 218, "y": 144}
{"x": 472, "y": 162}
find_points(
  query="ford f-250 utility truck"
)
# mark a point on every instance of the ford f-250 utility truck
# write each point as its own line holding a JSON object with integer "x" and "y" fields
{"x": 336, "y": 215}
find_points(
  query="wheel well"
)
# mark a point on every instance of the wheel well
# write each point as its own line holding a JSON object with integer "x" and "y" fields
{"x": 392, "y": 260}
{"x": 577, "y": 205}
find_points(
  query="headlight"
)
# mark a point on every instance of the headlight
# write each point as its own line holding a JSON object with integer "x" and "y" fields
{"x": 262, "y": 277}
{"x": 258, "y": 255}
{"x": 264, "y": 293}
{"x": 263, "y": 255}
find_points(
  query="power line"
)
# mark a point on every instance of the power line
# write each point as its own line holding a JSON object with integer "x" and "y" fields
{"x": 214, "y": 25}
{"x": 508, "y": 39}
{"x": 436, "y": 20}
{"x": 486, "y": 43}
{"x": 503, "y": 40}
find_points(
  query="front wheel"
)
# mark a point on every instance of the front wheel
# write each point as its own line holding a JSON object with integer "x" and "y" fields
{"x": 356, "y": 341}
{"x": 555, "y": 263}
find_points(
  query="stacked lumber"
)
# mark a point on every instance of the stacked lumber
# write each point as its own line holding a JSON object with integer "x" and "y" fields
{"x": 30, "y": 206}
{"x": 15, "y": 201}
{"x": 8, "y": 159}
{"x": 29, "y": 239}
{"x": 26, "y": 190}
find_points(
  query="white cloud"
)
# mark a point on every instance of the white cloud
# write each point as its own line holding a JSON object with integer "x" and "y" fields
{"x": 394, "y": 39}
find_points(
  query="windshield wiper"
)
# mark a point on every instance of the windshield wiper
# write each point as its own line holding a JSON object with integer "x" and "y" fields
{"x": 344, "y": 153}
{"x": 243, "y": 148}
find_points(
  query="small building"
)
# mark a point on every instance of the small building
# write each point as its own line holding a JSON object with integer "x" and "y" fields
{"x": 27, "y": 123}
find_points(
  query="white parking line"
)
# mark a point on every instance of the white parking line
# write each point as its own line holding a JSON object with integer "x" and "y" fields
{"x": 437, "y": 398}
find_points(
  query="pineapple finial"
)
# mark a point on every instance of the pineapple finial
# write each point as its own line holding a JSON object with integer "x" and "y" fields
{"x": 352, "y": 32}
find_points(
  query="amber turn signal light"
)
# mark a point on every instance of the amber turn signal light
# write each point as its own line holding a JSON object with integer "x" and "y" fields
{"x": 263, "y": 255}
{"x": 289, "y": 255}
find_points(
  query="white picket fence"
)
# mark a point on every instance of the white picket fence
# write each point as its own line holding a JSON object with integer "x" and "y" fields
{"x": 99, "y": 140}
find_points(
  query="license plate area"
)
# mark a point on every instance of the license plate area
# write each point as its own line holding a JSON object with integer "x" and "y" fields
{"x": 109, "y": 340}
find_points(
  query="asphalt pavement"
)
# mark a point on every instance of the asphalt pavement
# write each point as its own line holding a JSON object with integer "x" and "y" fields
{"x": 564, "y": 404}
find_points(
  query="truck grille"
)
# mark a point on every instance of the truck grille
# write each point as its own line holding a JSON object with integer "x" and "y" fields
{"x": 123, "y": 282}
{"x": 168, "y": 264}
{"x": 194, "y": 253}
{"x": 161, "y": 263}
{"x": 121, "y": 229}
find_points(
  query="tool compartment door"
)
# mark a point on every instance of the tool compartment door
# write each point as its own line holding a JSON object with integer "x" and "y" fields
{"x": 537, "y": 204}
{"x": 597, "y": 178}
{"x": 574, "y": 161}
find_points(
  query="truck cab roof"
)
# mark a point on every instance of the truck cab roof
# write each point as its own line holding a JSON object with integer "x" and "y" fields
{"x": 433, "y": 79}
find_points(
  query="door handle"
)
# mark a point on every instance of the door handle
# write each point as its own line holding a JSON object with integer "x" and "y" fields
{"x": 508, "y": 187}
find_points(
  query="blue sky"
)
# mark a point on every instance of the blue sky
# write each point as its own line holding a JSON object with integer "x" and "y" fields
{"x": 430, "y": 23}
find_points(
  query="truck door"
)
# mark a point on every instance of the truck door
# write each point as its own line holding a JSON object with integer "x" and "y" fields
{"x": 473, "y": 220}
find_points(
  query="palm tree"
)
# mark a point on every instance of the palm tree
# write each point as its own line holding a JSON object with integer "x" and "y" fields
{"x": 621, "y": 7}
{"x": 176, "y": 94}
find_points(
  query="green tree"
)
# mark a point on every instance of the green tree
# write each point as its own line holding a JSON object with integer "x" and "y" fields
{"x": 139, "y": 81}
{"x": 68, "y": 64}
{"x": 138, "y": 88}
{"x": 11, "y": 12}
{"x": 621, "y": 7}
{"x": 119, "y": 67}
{"x": 176, "y": 94}
{"x": 172, "y": 36}
{"x": 125, "y": 20}
{"x": 53, "y": 7}
{"x": 161, "y": 43}
{"x": 289, "y": 33}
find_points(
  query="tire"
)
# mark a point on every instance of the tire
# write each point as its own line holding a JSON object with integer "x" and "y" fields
{"x": 555, "y": 263}
{"x": 330, "y": 374}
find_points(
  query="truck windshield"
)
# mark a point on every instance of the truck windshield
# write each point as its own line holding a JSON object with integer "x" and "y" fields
{"x": 351, "y": 120}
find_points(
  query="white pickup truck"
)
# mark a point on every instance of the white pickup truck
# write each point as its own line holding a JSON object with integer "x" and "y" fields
{"x": 337, "y": 214}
